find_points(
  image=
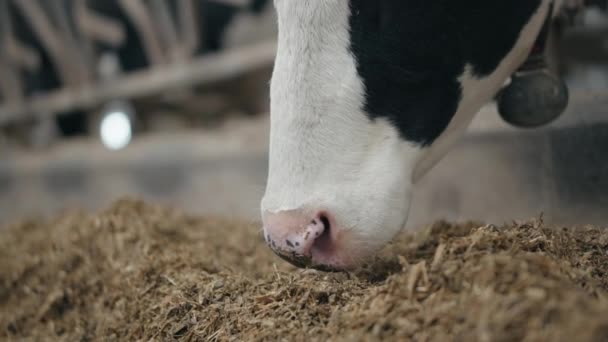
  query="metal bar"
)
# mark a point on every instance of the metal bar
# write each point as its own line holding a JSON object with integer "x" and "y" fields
{"x": 61, "y": 21}
{"x": 145, "y": 26}
{"x": 78, "y": 51}
{"x": 21, "y": 55}
{"x": 83, "y": 42}
{"x": 188, "y": 26}
{"x": 97, "y": 27}
{"x": 166, "y": 29}
{"x": 50, "y": 38}
{"x": 206, "y": 69}
{"x": 16, "y": 53}
{"x": 11, "y": 87}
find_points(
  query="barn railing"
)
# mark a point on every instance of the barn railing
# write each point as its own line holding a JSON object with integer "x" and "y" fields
{"x": 67, "y": 31}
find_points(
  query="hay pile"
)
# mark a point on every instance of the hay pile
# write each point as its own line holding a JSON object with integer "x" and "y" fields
{"x": 140, "y": 272}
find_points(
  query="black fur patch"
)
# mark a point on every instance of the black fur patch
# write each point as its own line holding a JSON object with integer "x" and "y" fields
{"x": 410, "y": 54}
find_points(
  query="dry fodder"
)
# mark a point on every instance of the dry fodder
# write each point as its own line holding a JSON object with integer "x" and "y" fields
{"x": 143, "y": 272}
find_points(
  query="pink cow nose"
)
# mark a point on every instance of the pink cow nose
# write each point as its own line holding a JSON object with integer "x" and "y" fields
{"x": 296, "y": 236}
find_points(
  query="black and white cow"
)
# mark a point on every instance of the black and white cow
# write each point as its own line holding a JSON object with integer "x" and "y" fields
{"x": 365, "y": 97}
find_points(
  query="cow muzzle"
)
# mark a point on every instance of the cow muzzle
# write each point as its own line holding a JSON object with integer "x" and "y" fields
{"x": 305, "y": 240}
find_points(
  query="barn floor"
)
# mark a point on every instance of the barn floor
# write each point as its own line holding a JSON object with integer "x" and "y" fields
{"x": 494, "y": 174}
{"x": 139, "y": 272}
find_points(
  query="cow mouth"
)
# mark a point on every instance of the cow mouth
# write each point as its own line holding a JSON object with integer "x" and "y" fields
{"x": 303, "y": 261}
{"x": 325, "y": 241}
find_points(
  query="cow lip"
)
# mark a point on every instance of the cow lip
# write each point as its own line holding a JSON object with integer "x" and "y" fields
{"x": 314, "y": 261}
{"x": 297, "y": 260}
{"x": 302, "y": 261}
{"x": 326, "y": 268}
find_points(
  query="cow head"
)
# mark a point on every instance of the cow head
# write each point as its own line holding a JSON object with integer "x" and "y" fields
{"x": 359, "y": 92}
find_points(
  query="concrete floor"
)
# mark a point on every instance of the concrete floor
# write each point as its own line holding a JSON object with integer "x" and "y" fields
{"x": 495, "y": 174}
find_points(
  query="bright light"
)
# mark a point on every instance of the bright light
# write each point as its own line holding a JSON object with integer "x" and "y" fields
{"x": 115, "y": 130}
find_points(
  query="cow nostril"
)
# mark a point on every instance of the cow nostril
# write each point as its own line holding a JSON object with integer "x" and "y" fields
{"x": 325, "y": 222}
{"x": 324, "y": 237}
